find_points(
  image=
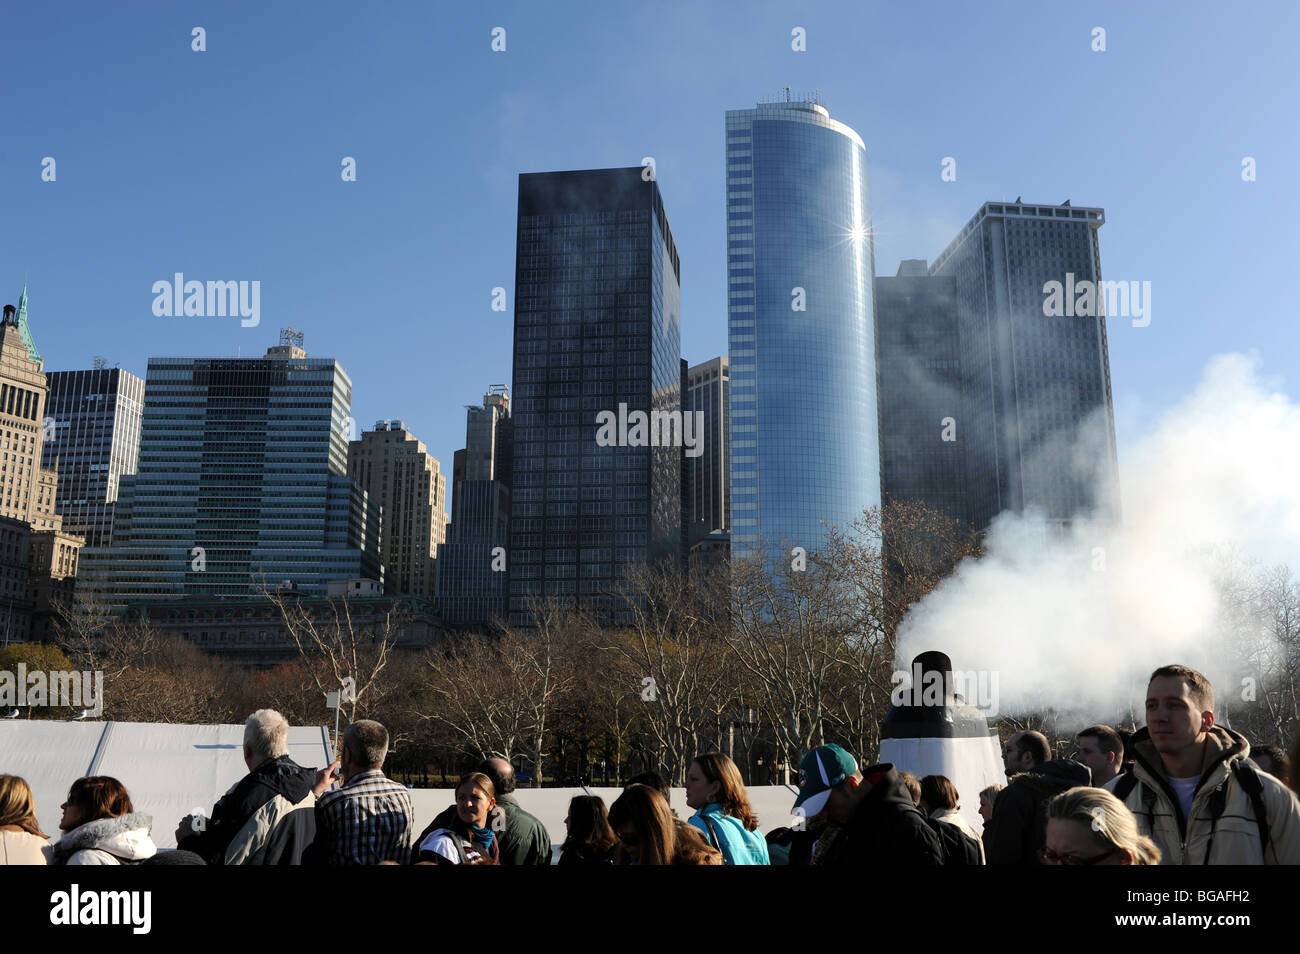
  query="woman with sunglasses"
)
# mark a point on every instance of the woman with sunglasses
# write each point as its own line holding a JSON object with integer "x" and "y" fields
{"x": 649, "y": 835}
{"x": 1090, "y": 826}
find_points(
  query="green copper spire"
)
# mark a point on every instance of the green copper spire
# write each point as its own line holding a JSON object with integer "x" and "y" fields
{"x": 23, "y": 328}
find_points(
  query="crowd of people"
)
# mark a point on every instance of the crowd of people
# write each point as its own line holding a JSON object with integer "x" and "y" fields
{"x": 1182, "y": 790}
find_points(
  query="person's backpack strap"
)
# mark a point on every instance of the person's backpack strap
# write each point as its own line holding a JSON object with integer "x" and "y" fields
{"x": 1124, "y": 787}
{"x": 1248, "y": 779}
{"x": 714, "y": 840}
{"x": 1218, "y": 801}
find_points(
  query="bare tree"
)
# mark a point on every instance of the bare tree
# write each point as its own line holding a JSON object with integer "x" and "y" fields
{"x": 497, "y": 693}
{"x": 674, "y": 650}
{"x": 148, "y": 676}
{"x": 350, "y": 648}
{"x": 787, "y": 635}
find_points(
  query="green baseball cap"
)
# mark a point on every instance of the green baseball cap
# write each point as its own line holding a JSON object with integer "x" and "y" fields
{"x": 821, "y": 770}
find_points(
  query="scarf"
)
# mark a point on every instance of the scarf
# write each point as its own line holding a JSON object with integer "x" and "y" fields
{"x": 482, "y": 836}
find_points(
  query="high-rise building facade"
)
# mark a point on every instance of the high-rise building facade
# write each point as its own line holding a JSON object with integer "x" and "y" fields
{"x": 801, "y": 329}
{"x": 918, "y": 362}
{"x": 242, "y": 483}
{"x": 92, "y": 421}
{"x": 1038, "y": 423}
{"x": 27, "y": 490}
{"x": 708, "y": 390}
{"x": 597, "y": 329}
{"x": 52, "y": 577}
{"x": 472, "y": 564}
{"x": 399, "y": 474}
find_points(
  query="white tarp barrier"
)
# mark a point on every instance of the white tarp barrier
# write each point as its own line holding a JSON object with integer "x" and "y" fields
{"x": 972, "y": 764}
{"x": 167, "y": 769}
{"x": 170, "y": 770}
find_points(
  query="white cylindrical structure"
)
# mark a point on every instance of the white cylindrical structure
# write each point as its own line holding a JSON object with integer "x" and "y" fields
{"x": 949, "y": 738}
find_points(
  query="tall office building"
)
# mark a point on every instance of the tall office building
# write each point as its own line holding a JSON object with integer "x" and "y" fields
{"x": 597, "y": 329}
{"x": 1031, "y": 381}
{"x": 93, "y": 425}
{"x": 472, "y": 564}
{"x": 399, "y": 474}
{"x": 708, "y": 389}
{"x": 801, "y": 331}
{"x": 27, "y": 490}
{"x": 918, "y": 363}
{"x": 242, "y": 482}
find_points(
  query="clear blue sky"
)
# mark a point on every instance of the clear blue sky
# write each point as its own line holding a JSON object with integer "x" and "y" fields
{"x": 225, "y": 165}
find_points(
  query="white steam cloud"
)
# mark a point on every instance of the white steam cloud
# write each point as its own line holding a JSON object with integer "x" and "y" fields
{"x": 1076, "y": 620}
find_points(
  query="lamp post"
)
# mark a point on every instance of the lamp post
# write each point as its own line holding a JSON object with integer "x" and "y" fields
{"x": 335, "y": 698}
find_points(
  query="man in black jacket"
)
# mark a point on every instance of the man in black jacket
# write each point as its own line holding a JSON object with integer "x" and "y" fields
{"x": 268, "y": 817}
{"x": 870, "y": 816}
{"x": 1018, "y": 828}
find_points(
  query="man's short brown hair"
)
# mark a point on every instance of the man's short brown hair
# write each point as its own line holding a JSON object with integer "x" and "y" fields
{"x": 1198, "y": 687}
{"x": 1035, "y": 743}
{"x": 1108, "y": 740}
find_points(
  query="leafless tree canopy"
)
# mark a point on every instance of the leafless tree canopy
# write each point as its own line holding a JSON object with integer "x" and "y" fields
{"x": 760, "y": 659}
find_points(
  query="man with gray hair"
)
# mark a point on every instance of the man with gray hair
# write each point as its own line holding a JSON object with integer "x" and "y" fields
{"x": 369, "y": 819}
{"x": 268, "y": 817}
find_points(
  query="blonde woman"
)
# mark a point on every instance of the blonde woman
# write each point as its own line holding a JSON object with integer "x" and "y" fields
{"x": 1090, "y": 826}
{"x": 987, "y": 797}
{"x": 21, "y": 840}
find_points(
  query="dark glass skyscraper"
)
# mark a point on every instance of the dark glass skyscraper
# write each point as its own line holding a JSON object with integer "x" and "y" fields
{"x": 242, "y": 480}
{"x": 1032, "y": 381}
{"x": 922, "y": 456}
{"x": 92, "y": 419}
{"x": 597, "y": 329}
{"x": 801, "y": 333}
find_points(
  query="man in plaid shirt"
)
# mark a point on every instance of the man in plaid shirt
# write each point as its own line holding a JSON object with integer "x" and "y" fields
{"x": 368, "y": 819}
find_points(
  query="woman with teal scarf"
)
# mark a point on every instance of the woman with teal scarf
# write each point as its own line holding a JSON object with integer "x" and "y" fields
{"x": 716, "y": 791}
{"x": 471, "y": 838}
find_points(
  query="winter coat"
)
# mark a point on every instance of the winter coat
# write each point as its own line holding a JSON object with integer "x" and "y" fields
{"x": 108, "y": 841}
{"x": 886, "y": 829}
{"x": 23, "y": 848}
{"x": 1231, "y": 839}
{"x": 739, "y": 845}
{"x": 1018, "y": 828}
{"x": 266, "y": 818}
{"x": 583, "y": 855}
{"x": 464, "y": 847}
{"x": 951, "y": 816}
{"x": 525, "y": 840}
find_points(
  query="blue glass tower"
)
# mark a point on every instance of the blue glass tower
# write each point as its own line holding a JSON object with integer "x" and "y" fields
{"x": 801, "y": 333}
